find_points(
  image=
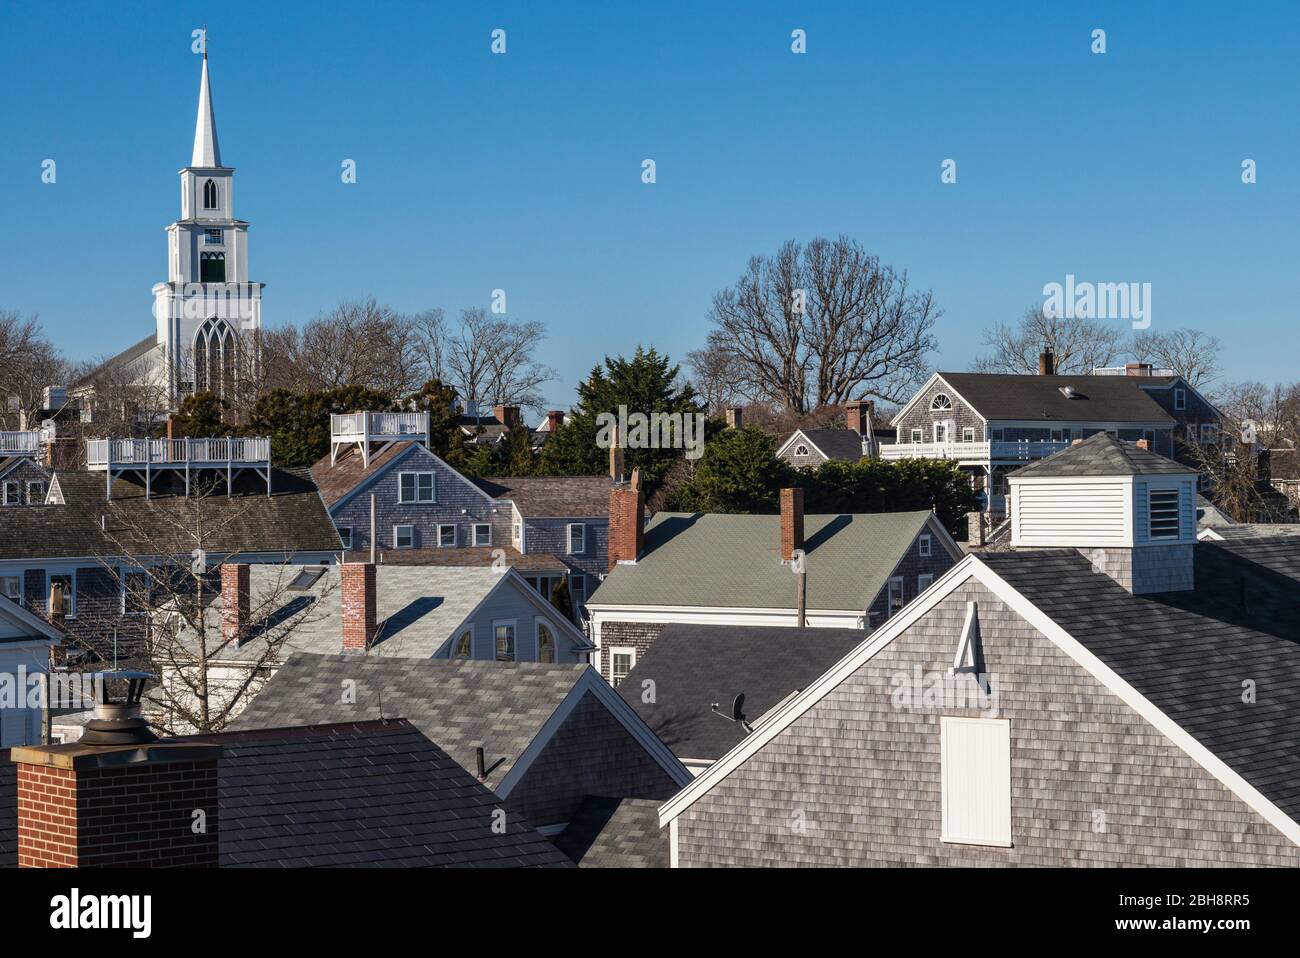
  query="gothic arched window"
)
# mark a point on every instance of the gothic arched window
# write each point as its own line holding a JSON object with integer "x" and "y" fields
{"x": 210, "y": 195}
{"x": 215, "y": 355}
{"x": 545, "y": 643}
{"x": 212, "y": 267}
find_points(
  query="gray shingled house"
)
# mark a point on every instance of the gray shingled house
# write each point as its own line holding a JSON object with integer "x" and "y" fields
{"x": 809, "y": 448}
{"x": 739, "y": 570}
{"x": 544, "y": 738}
{"x": 1109, "y": 692}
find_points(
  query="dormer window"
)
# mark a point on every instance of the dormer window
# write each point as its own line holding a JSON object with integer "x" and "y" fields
{"x": 941, "y": 401}
{"x": 210, "y": 195}
{"x": 1180, "y": 399}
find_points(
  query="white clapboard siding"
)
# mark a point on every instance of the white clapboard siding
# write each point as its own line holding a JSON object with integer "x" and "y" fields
{"x": 1070, "y": 512}
{"x": 976, "y": 780}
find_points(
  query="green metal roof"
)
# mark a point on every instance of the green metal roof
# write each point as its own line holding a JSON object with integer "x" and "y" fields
{"x": 734, "y": 561}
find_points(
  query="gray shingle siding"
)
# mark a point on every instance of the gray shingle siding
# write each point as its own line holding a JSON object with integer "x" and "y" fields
{"x": 459, "y": 503}
{"x": 909, "y": 569}
{"x": 551, "y": 537}
{"x": 626, "y": 635}
{"x": 920, "y": 416}
{"x": 1092, "y": 782}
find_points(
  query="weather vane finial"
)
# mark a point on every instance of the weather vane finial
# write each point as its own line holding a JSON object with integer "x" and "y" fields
{"x": 205, "y": 41}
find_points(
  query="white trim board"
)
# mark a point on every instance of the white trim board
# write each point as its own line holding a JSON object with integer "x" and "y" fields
{"x": 936, "y": 377}
{"x": 972, "y": 568}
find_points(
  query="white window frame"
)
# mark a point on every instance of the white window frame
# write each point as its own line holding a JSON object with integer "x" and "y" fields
{"x": 455, "y": 535}
{"x": 575, "y": 580}
{"x": 967, "y": 433}
{"x": 924, "y": 581}
{"x": 627, "y": 650}
{"x": 541, "y": 622}
{"x": 410, "y": 533}
{"x": 36, "y": 482}
{"x": 925, "y": 545}
{"x": 17, "y": 499}
{"x": 415, "y": 487}
{"x": 474, "y": 533}
{"x": 513, "y": 624}
{"x": 1207, "y": 434}
{"x": 345, "y": 536}
{"x": 945, "y": 405}
{"x": 1180, "y": 399}
{"x": 12, "y": 578}
{"x": 917, "y": 434}
{"x": 583, "y": 549}
{"x": 889, "y": 597}
{"x": 958, "y": 791}
{"x": 801, "y": 450}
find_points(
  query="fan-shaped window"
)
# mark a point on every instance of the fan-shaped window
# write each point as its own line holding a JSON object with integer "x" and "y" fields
{"x": 215, "y": 353}
{"x": 212, "y": 267}
{"x": 210, "y": 195}
{"x": 801, "y": 450}
{"x": 545, "y": 643}
{"x": 941, "y": 401}
{"x": 462, "y": 649}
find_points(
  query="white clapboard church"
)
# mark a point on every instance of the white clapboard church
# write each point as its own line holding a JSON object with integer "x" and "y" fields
{"x": 207, "y": 312}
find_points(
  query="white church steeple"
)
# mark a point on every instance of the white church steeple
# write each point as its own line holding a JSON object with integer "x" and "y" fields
{"x": 208, "y": 312}
{"x": 207, "y": 151}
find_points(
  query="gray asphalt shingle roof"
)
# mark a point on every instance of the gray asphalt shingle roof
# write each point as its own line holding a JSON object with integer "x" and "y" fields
{"x": 1188, "y": 652}
{"x": 1102, "y": 455}
{"x": 844, "y": 444}
{"x": 734, "y": 561}
{"x": 556, "y": 497}
{"x": 616, "y": 833}
{"x": 1257, "y": 530}
{"x": 694, "y": 666}
{"x": 1018, "y": 397}
{"x": 458, "y": 703}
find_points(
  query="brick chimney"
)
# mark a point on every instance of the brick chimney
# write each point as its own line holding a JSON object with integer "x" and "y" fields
{"x": 615, "y": 456}
{"x": 1143, "y": 444}
{"x": 974, "y": 528}
{"x": 235, "y": 600}
{"x": 735, "y": 417}
{"x": 359, "y": 603}
{"x": 1047, "y": 362}
{"x": 1138, "y": 369}
{"x": 82, "y": 806}
{"x": 173, "y": 430}
{"x": 554, "y": 419}
{"x": 626, "y": 521}
{"x": 507, "y": 415}
{"x": 858, "y": 413}
{"x": 791, "y": 522}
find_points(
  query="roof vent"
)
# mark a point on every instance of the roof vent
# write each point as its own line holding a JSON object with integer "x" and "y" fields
{"x": 1069, "y": 392}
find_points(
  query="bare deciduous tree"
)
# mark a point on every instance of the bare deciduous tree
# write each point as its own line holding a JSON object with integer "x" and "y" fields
{"x": 1080, "y": 344}
{"x": 491, "y": 359}
{"x": 820, "y": 324}
{"x": 28, "y": 363}
{"x": 1190, "y": 353}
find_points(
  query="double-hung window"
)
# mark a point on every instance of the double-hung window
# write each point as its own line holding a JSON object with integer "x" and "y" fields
{"x": 415, "y": 487}
{"x": 505, "y": 640}
{"x": 1180, "y": 399}
{"x": 895, "y": 597}
{"x": 577, "y": 538}
{"x": 403, "y": 537}
{"x": 12, "y": 497}
{"x": 482, "y": 534}
{"x": 447, "y": 536}
{"x": 925, "y": 545}
{"x": 621, "y": 662}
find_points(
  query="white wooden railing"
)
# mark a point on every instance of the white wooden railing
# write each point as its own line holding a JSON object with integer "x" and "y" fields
{"x": 1024, "y": 450}
{"x": 20, "y": 443}
{"x": 103, "y": 453}
{"x": 359, "y": 426}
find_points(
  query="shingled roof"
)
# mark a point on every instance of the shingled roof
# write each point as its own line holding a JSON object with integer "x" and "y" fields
{"x": 695, "y": 666}
{"x": 714, "y": 560}
{"x": 1021, "y": 397}
{"x": 459, "y": 703}
{"x": 616, "y": 833}
{"x": 355, "y": 794}
{"x": 556, "y": 497}
{"x": 1102, "y": 455}
{"x": 292, "y": 519}
{"x": 349, "y": 470}
{"x": 466, "y": 556}
{"x": 1187, "y": 652}
{"x": 842, "y": 444}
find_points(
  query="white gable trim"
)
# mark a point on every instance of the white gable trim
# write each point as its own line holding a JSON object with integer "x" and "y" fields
{"x": 40, "y": 629}
{"x": 799, "y": 434}
{"x": 387, "y": 467}
{"x": 553, "y": 615}
{"x": 969, "y": 568}
{"x": 898, "y": 416}
{"x": 590, "y": 681}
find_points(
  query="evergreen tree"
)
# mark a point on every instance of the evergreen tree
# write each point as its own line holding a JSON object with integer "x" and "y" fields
{"x": 299, "y": 423}
{"x": 739, "y": 472}
{"x": 202, "y": 415}
{"x": 440, "y": 401}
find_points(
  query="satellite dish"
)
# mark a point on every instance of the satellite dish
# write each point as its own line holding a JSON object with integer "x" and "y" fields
{"x": 738, "y": 708}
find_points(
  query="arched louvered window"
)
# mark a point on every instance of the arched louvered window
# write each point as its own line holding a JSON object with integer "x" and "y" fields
{"x": 212, "y": 267}
{"x": 215, "y": 358}
{"x": 210, "y": 198}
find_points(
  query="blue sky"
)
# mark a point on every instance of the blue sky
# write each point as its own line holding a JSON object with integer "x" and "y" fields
{"x": 522, "y": 171}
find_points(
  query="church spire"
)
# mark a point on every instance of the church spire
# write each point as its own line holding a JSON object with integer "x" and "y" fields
{"x": 206, "y": 150}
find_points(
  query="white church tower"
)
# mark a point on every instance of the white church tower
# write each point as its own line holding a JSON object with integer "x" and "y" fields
{"x": 208, "y": 313}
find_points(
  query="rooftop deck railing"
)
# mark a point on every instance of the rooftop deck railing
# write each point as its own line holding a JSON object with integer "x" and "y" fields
{"x": 22, "y": 443}
{"x": 356, "y": 426}
{"x": 106, "y": 453}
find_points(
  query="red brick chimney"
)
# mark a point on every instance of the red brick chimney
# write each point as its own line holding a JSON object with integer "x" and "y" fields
{"x": 141, "y": 806}
{"x": 1138, "y": 369}
{"x": 1047, "y": 362}
{"x": 626, "y": 521}
{"x": 791, "y": 522}
{"x": 173, "y": 431}
{"x": 235, "y": 601}
{"x": 735, "y": 417}
{"x": 858, "y": 413}
{"x": 358, "y": 600}
{"x": 508, "y": 416}
{"x": 554, "y": 419}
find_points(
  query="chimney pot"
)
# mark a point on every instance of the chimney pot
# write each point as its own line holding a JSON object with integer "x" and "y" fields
{"x": 791, "y": 522}
{"x": 359, "y": 604}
